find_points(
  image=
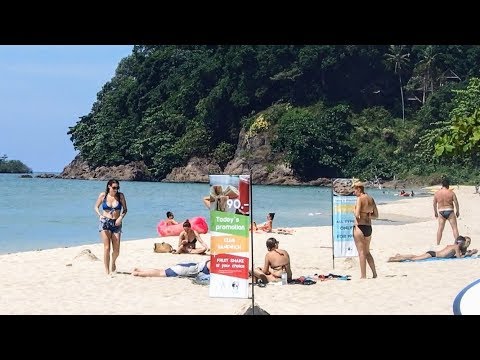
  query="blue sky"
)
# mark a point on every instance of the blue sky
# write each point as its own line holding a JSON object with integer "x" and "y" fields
{"x": 43, "y": 91}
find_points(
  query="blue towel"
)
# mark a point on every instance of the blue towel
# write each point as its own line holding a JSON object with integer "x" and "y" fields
{"x": 442, "y": 259}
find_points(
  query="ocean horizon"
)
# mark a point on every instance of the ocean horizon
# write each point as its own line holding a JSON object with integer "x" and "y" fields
{"x": 45, "y": 213}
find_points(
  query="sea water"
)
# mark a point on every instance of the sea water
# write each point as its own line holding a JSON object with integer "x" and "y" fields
{"x": 38, "y": 213}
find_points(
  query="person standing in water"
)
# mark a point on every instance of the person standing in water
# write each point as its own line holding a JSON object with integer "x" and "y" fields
{"x": 365, "y": 211}
{"x": 114, "y": 207}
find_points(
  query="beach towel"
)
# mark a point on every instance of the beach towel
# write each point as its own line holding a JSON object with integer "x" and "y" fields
{"x": 331, "y": 276}
{"x": 441, "y": 259}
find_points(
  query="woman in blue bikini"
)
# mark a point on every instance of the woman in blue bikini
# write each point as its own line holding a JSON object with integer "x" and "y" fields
{"x": 114, "y": 207}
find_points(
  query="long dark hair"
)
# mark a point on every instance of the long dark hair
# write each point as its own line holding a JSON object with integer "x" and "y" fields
{"x": 110, "y": 183}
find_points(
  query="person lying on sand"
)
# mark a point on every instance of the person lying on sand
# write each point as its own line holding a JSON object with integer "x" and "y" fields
{"x": 283, "y": 231}
{"x": 186, "y": 269}
{"x": 459, "y": 250}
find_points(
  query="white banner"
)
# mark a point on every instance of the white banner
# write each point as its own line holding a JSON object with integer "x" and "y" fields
{"x": 343, "y": 218}
{"x": 229, "y": 241}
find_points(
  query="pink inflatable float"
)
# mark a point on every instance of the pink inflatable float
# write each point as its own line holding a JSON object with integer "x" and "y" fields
{"x": 198, "y": 224}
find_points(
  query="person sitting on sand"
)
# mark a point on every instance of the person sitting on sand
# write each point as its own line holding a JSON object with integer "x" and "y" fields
{"x": 186, "y": 269}
{"x": 459, "y": 250}
{"x": 187, "y": 241}
{"x": 170, "y": 219}
{"x": 276, "y": 261}
{"x": 267, "y": 226}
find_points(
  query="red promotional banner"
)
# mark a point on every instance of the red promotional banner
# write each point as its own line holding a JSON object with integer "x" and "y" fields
{"x": 230, "y": 265}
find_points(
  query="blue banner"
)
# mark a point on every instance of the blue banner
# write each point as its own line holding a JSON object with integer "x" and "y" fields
{"x": 343, "y": 218}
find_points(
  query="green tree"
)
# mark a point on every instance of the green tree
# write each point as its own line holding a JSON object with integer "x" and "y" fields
{"x": 314, "y": 140}
{"x": 13, "y": 166}
{"x": 463, "y": 135}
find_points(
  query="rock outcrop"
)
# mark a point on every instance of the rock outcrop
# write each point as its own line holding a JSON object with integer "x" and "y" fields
{"x": 254, "y": 152}
{"x": 196, "y": 170}
{"x": 79, "y": 169}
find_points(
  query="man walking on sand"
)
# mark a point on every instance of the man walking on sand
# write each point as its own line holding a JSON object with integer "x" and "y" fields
{"x": 445, "y": 202}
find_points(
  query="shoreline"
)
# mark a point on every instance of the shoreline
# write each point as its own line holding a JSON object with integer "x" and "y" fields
{"x": 41, "y": 282}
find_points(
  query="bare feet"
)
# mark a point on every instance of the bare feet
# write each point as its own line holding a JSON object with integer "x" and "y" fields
{"x": 471, "y": 252}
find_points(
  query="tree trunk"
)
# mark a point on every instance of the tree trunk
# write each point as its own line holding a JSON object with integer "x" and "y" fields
{"x": 403, "y": 102}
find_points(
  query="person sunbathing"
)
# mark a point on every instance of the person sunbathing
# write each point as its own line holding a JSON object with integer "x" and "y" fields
{"x": 267, "y": 225}
{"x": 276, "y": 261}
{"x": 283, "y": 231}
{"x": 458, "y": 250}
{"x": 185, "y": 269}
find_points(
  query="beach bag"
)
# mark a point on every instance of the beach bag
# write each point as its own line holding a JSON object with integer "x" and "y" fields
{"x": 162, "y": 247}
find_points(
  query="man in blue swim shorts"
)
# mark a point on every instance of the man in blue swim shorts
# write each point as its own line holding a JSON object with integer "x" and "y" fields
{"x": 186, "y": 269}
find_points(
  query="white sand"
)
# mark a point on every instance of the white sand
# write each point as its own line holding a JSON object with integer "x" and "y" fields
{"x": 39, "y": 282}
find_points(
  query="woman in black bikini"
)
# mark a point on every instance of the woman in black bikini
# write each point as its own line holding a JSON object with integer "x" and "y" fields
{"x": 365, "y": 211}
{"x": 188, "y": 239}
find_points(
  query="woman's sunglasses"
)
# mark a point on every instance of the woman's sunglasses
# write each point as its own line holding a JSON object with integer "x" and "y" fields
{"x": 115, "y": 187}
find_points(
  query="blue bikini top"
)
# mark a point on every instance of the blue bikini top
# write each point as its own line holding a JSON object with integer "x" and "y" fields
{"x": 106, "y": 207}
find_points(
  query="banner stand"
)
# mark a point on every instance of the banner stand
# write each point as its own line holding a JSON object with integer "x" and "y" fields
{"x": 343, "y": 218}
{"x": 251, "y": 239}
{"x": 333, "y": 245}
{"x": 229, "y": 228}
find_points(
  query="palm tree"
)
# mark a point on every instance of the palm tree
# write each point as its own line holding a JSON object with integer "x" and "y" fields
{"x": 427, "y": 63}
{"x": 396, "y": 59}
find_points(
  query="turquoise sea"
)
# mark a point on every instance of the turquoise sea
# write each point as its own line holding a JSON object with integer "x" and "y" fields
{"x": 41, "y": 213}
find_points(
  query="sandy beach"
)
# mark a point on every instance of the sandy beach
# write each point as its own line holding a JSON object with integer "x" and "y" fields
{"x": 55, "y": 282}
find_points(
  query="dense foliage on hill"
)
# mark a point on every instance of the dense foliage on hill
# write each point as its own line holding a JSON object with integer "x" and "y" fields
{"x": 13, "y": 166}
{"x": 333, "y": 110}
